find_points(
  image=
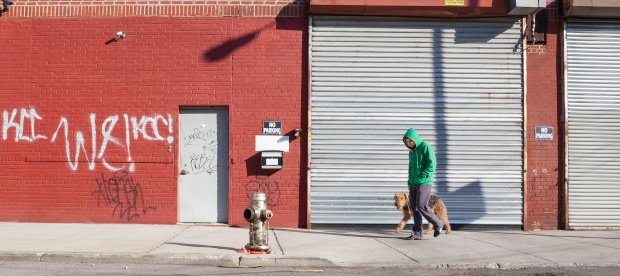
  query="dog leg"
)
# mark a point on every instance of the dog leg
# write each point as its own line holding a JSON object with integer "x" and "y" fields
{"x": 442, "y": 213}
{"x": 400, "y": 226}
{"x": 406, "y": 217}
{"x": 444, "y": 218}
{"x": 429, "y": 229}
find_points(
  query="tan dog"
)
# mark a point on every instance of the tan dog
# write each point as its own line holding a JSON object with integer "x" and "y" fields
{"x": 401, "y": 201}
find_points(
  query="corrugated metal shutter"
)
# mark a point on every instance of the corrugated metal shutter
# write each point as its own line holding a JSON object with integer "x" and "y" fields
{"x": 457, "y": 82}
{"x": 593, "y": 95}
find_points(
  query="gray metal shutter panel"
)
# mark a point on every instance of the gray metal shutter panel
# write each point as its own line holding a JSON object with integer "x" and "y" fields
{"x": 593, "y": 101}
{"x": 459, "y": 87}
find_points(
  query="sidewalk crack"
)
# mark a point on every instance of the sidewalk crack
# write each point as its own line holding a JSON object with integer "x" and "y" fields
{"x": 395, "y": 249}
{"x": 166, "y": 241}
{"x": 277, "y": 240}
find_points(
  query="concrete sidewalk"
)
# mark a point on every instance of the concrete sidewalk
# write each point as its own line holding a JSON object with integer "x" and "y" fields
{"x": 219, "y": 246}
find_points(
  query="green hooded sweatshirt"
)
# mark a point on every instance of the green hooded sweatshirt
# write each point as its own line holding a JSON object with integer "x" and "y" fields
{"x": 421, "y": 160}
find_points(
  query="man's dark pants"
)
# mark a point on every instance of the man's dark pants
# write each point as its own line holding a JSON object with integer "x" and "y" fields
{"x": 418, "y": 200}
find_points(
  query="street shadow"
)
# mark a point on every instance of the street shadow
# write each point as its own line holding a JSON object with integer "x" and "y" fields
{"x": 225, "y": 49}
{"x": 378, "y": 233}
{"x": 283, "y": 21}
{"x": 539, "y": 234}
{"x": 470, "y": 200}
{"x": 202, "y": 245}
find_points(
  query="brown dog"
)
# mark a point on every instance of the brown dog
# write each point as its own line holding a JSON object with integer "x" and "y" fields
{"x": 401, "y": 201}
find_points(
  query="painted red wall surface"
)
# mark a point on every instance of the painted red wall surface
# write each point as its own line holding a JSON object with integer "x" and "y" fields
{"x": 65, "y": 79}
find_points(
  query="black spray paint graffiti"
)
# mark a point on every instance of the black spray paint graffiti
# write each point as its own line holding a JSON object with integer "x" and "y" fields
{"x": 199, "y": 135}
{"x": 205, "y": 150}
{"x": 262, "y": 184}
{"x": 202, "y": 162}
{"x": 123, "y": 193}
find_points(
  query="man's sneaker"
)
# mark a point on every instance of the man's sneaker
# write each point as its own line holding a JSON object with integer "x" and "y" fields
{"x": 438, "y": 232}
{"x": 411, "y": 238}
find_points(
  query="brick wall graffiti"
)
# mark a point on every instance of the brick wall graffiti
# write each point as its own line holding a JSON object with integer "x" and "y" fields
{"x": 123, "y": 193}
{"x": 145, "y": 128}
{"x": 204, "y": 148}
{"x": 264, "y": 185}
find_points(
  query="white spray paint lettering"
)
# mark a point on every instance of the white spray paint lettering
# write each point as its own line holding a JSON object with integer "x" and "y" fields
{"x": 146, "y": 128}
{"x": 79, "y": 143}
{"x": 8, "y": 123}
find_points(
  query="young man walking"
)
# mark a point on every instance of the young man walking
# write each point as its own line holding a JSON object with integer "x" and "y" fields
{"x": 421, "y": 168}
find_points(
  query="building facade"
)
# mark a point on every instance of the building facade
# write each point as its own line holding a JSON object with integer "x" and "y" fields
{"x": 154, "y": 111}
{"x": 158, "y": 126}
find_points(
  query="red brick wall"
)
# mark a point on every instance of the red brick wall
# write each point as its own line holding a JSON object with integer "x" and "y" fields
{"x": 545, "y": 164}
{"x": 270, "y": 82}
{"x": 107, "y": 8}
{"x": 72, "y": 73}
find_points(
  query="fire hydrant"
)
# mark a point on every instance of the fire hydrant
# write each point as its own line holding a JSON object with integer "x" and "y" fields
{"x": 258, "y": 215}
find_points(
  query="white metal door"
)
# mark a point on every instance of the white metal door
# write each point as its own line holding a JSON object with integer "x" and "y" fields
{"x": 203, "y": 166}
{"x": 593, "y": 106}
{"x": 459, "y": 83}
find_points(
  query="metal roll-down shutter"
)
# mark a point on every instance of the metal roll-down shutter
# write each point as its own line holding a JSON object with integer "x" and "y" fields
{"x": 459, "y": 83}
{"x": 593, "y": 106}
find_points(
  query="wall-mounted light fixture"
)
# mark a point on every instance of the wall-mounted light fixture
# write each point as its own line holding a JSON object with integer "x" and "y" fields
{"x": 297, "y": 132}
{"x": 121, "y": 34}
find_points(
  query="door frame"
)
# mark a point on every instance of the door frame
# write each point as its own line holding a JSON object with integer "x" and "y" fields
{"x": 178, "y": 160}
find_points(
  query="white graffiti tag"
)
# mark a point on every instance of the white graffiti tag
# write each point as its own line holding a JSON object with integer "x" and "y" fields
{"x": 146, "y": 128}
{"x": 19, "y": 128}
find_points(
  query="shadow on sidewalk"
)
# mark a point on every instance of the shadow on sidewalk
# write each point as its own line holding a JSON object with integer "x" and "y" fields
{"x": 202, "y": 245}
{"x": 538, "y": 234}
{"x": 360, "y": 233}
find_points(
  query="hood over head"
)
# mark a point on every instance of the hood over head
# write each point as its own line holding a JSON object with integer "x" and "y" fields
{"x": 413, "y": 135}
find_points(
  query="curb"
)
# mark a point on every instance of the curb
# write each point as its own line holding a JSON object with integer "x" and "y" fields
{"x": 286, "y": 262}
{"x": 248, "y": 261}
{"x": 166, "y": 259}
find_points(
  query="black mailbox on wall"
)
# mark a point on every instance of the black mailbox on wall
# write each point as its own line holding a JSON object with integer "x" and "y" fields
{"x": 271, "y": 159}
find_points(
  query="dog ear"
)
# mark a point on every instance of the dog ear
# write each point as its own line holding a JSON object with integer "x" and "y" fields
{"x": 406, "y": 197}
